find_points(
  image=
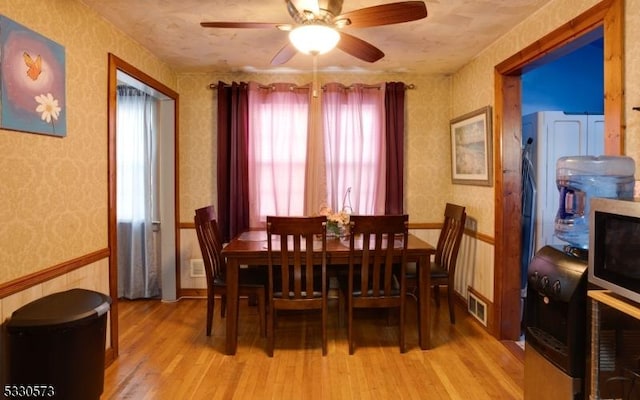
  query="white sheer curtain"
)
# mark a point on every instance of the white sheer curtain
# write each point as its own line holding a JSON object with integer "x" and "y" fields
{"x": 278, "y": 119}
{"x": 353, "y": 125}
{"x": 138, "y": 274}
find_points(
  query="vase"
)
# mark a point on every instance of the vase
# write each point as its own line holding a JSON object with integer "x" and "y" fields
{"x": 336, "y": 230}
{"x": 333, "y": 229}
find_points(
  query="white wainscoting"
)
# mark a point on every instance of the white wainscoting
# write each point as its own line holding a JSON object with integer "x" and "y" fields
{"x": 475, "y": 262}
{"x": 189, "y": 250}
{"x": 91, "y": 277}
{"x": 475, "y": 265}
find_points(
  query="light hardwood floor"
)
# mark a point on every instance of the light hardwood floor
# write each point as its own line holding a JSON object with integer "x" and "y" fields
{"x": 165, "y": 354}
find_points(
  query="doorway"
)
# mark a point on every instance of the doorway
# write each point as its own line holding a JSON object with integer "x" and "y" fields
{"x": 562, "y": 107}
{"x": 138, "y": 135}
{"x": 608, "y": 14}
{"x": 121, "y": 71}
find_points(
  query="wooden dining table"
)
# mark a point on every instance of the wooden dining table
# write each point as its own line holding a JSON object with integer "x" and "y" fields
{"x": 250, "y": 248}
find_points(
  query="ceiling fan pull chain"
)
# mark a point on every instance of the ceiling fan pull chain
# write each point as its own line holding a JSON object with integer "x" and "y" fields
{"x": 315, "y": 76}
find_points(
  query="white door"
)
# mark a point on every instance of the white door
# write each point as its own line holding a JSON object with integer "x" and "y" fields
{"x": 557, "y": 135}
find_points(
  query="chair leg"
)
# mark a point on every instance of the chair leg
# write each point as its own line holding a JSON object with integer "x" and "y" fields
{"x": 324, "y": 326}
{"x": 413, "y": 293}
{"x": 210, "y": 305}
{"x": 341, "y": 306}
{"x": 417, "y": 299}
{"x": 223, "y": 306}
{"x": 403, "y": 347}
{"x": 450, "y": 299}
{"x": 436, "y": 294}
{"x": 261, "y": 299}
{"x": 350, "y": 328}
{"x": 270, "y": 333}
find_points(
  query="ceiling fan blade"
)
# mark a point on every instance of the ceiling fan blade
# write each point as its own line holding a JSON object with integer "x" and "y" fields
{"x": 332, "y": 6}
{"x": 385, "y": 14}
{"x": 293, "y": 11}
{"x": 284, "y": 54}
{"x": 310, "y": 5}
{"x": 359, "y": 48}
{"x": 255, "y": 25}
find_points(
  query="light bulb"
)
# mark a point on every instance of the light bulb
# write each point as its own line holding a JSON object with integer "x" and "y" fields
{"x": 314, "y": 38}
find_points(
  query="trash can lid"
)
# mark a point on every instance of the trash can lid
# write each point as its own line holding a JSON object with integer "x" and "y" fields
{"x": 61, "y": 308}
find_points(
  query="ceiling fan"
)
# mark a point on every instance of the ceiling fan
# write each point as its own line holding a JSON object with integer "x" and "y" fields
{"x": 326, "y": 16}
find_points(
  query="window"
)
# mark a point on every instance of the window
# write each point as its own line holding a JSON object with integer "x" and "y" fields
{"x": 137, "y": 155}
{"x": 278, "y": 121}
{"x": 354, "y": 146}
{"x": 352, "y": 153}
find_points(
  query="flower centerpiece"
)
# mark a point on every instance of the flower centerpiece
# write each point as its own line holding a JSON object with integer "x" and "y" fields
{"x": 337, "y": 222}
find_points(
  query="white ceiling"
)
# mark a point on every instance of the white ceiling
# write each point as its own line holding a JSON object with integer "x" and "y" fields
{"x": 453, "y": 33}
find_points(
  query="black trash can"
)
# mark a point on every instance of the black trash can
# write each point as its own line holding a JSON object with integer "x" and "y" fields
{"x": 56, "y": 346}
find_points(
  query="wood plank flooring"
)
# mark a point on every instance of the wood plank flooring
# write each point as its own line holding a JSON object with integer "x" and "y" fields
{"x": 165, "y": 354}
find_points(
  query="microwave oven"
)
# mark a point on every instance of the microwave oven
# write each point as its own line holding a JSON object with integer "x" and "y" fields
{"x": 614, "y": 246}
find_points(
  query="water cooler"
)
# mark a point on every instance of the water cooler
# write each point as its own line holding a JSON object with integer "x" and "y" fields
{"x": 579, "y": 178}
{"x": 556, "y": 305}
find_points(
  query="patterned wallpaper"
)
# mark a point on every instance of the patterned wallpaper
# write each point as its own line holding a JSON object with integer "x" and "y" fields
{"x": 477, "y": 78}
{"x": 53, "y": 191}
{"x": 431, "y": 105}
{"x": 428, "y": 177}
{"x": 632, "y": 81}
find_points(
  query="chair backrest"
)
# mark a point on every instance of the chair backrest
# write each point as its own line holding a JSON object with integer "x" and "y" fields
{"x": 379, "y": 237}
{"x": 450, "y": 237}
{"x": 292, "y": 252}
{"x": 209, "y": 241}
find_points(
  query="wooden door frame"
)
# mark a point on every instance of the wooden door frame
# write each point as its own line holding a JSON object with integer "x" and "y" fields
{"x": 116, "y": 64}
{"x": 508, "y": 144}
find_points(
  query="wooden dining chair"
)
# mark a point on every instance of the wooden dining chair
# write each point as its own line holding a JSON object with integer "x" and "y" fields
{"x": 377, "y": 268}
{"x": 443, "y": 266}
{"x": 252, "y": 281}
{"x": 297, "y": 254}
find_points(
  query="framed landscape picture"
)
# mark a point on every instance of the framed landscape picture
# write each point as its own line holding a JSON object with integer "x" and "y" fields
{"x": 471, "y": 143}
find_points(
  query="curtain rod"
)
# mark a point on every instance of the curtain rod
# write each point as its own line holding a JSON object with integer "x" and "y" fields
{"x": 409, "y": 86}
{"x": 268, "y": 87}
{"x": 215, "y": 86}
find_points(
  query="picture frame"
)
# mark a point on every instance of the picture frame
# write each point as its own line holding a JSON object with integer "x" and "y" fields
{"x": 32, "y": 81}
{"x": 471, "y": 148}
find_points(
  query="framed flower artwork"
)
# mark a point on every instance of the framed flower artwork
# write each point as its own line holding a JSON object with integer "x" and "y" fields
{"x": 32, "y": 79}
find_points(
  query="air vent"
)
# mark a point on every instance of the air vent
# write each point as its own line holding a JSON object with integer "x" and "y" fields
{"x": 197, "y": 268}
{"x": 612, "y": 358}
{"x": 477, "y": 308}
{"x": 607, "y": 350}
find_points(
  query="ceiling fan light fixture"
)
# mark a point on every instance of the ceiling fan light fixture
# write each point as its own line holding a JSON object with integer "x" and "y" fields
{"x": 342, "y": 22}
{"x": 314, "y": 38}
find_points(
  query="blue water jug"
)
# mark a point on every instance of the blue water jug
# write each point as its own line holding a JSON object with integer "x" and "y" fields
{"x": 579, "y": 178}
